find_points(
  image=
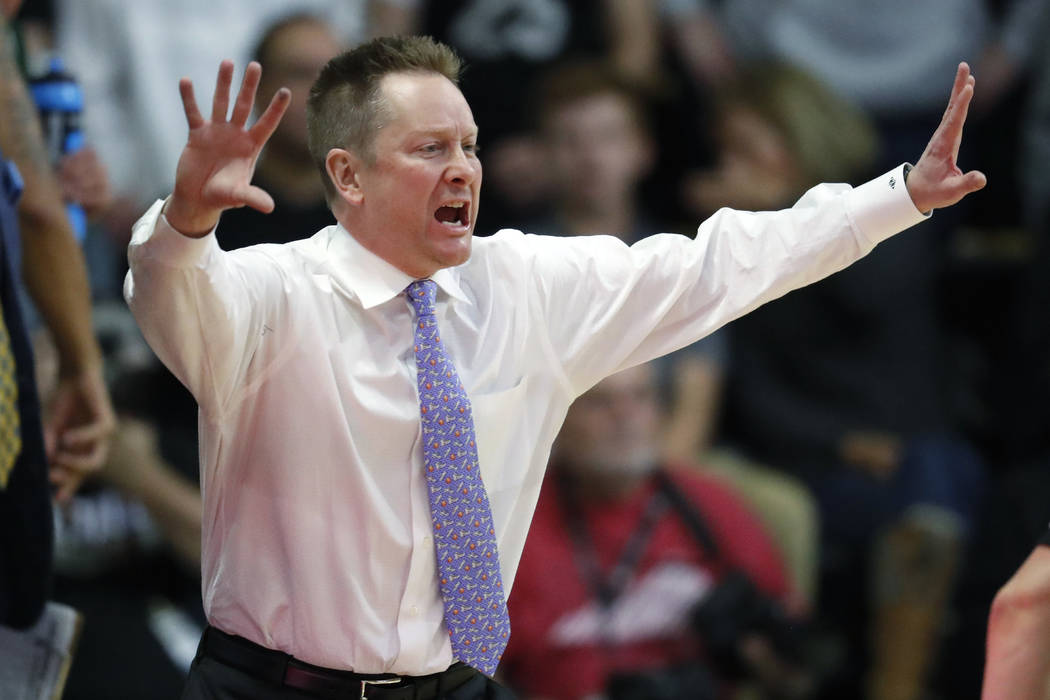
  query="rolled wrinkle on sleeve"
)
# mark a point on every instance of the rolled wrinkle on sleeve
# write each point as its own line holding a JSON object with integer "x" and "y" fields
{"x": 195, "y": 305}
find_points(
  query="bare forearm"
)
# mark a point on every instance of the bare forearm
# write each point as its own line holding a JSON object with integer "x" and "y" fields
{"x": 175, "y": 505}
{"x": 136, "y": 469}
{"x": 55, "y": 275}
{"x": 52, "y": 262}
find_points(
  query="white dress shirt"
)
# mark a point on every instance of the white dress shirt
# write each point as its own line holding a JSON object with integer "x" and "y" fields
{"x": 317, "y": 536}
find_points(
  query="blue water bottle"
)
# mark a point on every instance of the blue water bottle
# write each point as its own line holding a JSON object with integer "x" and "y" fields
{"x": 60, "y": 101}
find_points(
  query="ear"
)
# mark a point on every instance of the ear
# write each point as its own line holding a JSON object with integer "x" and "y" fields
{"x": 344, "y": 170}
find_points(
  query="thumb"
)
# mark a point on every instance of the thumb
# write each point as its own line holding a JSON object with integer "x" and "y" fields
{"x": 258, "y": 198}
{"x": 959, "y": 187}
{"x": 974, "y": 180}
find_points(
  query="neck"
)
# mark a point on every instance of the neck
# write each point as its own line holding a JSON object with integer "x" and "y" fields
{"x": 293, "y": 179}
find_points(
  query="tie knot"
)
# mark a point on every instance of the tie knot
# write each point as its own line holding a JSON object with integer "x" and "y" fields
{"x": 423, "y": 296}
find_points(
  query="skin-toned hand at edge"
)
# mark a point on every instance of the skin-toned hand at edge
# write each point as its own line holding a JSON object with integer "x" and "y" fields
{"x": 215, "y": 169}
{"x": 81, "y": 418}
{"x": 1017, "y": 661}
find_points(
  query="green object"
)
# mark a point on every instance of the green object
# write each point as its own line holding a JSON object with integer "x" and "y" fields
{"x": 13, "y": 31}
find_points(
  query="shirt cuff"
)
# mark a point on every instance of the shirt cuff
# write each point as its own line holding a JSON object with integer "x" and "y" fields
{"x": 160, "y": 240}
{"x": 882, "y": 207}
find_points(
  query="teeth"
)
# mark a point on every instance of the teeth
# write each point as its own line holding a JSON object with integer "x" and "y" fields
{"x": 454, "y": 205}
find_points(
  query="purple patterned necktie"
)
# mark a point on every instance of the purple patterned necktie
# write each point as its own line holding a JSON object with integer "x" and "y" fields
{"x": 464, "y": 537}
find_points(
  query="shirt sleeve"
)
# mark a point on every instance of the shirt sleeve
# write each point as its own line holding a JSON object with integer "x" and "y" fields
{"x": 608, "y": 306}
{"x": 201, "y": 309}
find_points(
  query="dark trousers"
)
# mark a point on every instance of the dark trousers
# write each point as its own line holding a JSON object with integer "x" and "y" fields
{"x": 213, "y": 679}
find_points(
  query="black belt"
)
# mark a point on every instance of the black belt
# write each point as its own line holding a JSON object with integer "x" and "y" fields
{"x": 281, "y": 669}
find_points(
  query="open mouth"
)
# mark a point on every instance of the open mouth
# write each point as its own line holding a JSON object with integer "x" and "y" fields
{"x": 455, "y": 213}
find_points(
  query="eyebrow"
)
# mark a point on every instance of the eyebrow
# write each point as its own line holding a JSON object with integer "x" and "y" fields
{"x": 440, "y": 131}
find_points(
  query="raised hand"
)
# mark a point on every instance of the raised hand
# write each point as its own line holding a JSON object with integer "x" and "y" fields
{"x": 936, "y": 181}
{"x": 216, "y": 165}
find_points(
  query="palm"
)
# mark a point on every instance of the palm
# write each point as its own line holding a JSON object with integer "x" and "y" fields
{"x": 216, "y": 165}
{"x": 937, "y": 181}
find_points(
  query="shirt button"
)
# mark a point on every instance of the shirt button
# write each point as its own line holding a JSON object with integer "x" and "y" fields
{"x": 427, "y": 541}
{"x": 413, "y": 611}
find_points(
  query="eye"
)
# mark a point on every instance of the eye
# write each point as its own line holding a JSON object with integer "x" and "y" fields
{"x": 430, "y": 148}
{"x": 471, "y": 148}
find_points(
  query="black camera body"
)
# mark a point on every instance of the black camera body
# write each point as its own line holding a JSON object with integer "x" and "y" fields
{"x": 735, "y": 609}
{"x": 732, "y": 611}
{"x": 692, "y": 681}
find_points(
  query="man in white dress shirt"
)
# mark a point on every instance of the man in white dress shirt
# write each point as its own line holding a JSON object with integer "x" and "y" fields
{"x": 319, "y": 565}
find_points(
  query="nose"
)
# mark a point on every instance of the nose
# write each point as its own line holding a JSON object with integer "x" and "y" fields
{"x": 463, "y": 168}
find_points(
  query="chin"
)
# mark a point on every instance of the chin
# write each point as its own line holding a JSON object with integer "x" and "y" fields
{"x": 457, "y": 254}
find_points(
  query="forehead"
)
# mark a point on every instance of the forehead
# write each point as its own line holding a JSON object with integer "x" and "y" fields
{"x": 425, "y": 102}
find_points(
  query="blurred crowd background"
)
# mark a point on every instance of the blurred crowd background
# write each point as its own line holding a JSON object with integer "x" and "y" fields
{"x": 863, "y": 462}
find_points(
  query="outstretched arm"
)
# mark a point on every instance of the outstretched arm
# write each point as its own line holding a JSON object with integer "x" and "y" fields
{"x": 202, "y": 310}
{"x": 936, "y": 180}
{"x": 216, "y": 165}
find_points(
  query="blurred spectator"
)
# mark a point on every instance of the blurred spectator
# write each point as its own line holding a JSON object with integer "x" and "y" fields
{"x": 127, "y": 54}
{"x": 697, "y": 39}
{"x": 839, "y": 383}
{"x": 629, "y": 565}
{"x": 1035, "y": 150}
{"x": 127, "y": 548}
{"x": 598, "y": 148}
{"x": 291, "y": 52}
{"x": 77, "y": 434}
{"x": 779, "y": 131}
{"x": 886, "y": 57}
{"x": 81, "y": 174}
